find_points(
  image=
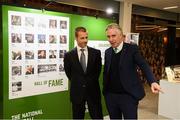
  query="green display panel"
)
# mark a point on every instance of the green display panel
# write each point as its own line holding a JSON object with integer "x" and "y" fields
{"x": 55, "y": 105}
{"x": 1, "y": 69}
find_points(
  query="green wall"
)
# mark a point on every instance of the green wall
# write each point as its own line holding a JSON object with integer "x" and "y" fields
{"x": 54, "y": 105}
{"x": 1, "y": 69}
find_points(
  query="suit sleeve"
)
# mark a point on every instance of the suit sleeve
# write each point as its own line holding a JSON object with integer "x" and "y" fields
{"x": 67, "y": 66}
{"x": 104, "y": 74}
{"x": 143, "y": 65}
{"x": 98, "y": 63}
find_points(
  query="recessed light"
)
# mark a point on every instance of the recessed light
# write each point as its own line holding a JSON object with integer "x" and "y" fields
{"x": 109, "y": 10}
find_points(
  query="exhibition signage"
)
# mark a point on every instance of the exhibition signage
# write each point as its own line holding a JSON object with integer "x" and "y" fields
{"x": 102, "y": 45}
{"x": 34, "y": 84}
{"x": 37, "y": 44}
{"x": 132, "y": 38}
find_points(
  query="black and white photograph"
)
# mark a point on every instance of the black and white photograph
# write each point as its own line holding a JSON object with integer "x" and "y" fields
{"x": 16, "y": 70}
{"x": 41, "y": 23}
{"x": 29, "y": 38}
{"x": 52, "y": 39}
{"x": 16, "y": 37}
{"x": 63, "y": 39}
{"x": 29, "y": 54}
{"x": 16, "y": 20}
{"x": 52, "y": 24}
{"x": 61, "y": 68}
{"x": 29, "y": 21}
{"x": 63, "y": 24}
{"x": 45, "y": 68}
{"x": 52, "y": 54}
{"x": 16, "y": 86}
{"x": 16, "y": 55}
{"x": 61, "y": 53}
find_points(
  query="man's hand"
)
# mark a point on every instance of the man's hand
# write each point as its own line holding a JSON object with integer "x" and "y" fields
{"x": 155, "y": 88}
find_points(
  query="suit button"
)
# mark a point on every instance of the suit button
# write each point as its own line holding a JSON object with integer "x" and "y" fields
{"x": 84, "y": 86}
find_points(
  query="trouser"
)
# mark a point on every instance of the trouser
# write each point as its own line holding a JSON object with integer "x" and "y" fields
{"x": 95, "y": 110}
{"x": 121, "y": 106}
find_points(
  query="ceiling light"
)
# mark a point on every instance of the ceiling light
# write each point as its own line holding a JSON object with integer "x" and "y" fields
{"x": 171, "y": 7}
{"x": 109, "y": 10}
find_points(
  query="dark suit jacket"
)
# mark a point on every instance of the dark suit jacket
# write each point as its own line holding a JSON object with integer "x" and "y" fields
{"x": 83, "y": 84}
{"x": 129, "y": 60}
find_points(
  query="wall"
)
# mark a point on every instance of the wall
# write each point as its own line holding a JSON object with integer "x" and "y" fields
{"x": 54, "y": 105}
{"x": 1, "y": 69}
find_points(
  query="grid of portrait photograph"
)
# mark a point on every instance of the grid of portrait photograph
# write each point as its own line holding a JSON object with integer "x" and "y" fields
{"x": 37, "y": 44}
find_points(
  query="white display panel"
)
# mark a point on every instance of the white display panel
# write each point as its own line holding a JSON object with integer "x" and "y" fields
{"x": 37, "y": 44}
{"x": 97, "y": 44}
{"x": 132, "y": 38}
{"x": 101, "y": 45}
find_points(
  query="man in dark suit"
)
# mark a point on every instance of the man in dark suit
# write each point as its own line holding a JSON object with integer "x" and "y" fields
{"x": 83, "y": 66}
{"x": 122, "y": 88}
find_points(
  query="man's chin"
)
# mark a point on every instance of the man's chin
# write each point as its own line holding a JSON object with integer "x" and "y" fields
{"x": 84, "y": 45}
{"x": 113, "y": 46}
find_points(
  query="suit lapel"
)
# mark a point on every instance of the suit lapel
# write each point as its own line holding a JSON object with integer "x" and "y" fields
{"x": 109, "y": 54}
{"x": 123, "y": 52}
{"x": 76, "y": 59}
{"x": 90, "y": 59}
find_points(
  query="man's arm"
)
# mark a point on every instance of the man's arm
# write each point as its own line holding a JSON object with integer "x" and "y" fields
{"x": 141, "y": 62}
{"x": 67, "y": 66}
{"x": 143, "y": 65}
{"x": 99, "y": 63}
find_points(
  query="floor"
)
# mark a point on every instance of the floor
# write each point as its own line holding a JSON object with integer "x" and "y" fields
{"x": 148, "y": 107}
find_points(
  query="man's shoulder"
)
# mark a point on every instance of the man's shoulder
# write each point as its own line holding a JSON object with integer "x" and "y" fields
{"x": 128, "y": 45}
{"x": 108, "y": 49}
{"x": 93, "y": 49}
{"x": 70, "y": 51}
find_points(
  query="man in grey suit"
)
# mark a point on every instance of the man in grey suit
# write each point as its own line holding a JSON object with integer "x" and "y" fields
{"x": 83, "y": 66}
{"x": 122, "y": 87}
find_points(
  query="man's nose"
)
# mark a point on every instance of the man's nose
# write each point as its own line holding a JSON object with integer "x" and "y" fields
{"x": 85, "y": 40}
{"x": 110, "y": 39}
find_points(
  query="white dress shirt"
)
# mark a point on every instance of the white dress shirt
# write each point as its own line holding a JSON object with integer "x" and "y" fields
{"x": 119, "y": 48}
{"x": 85, "y": 52}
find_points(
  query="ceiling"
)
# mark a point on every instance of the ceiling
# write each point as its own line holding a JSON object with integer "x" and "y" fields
{"x": 157, "y": 4}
